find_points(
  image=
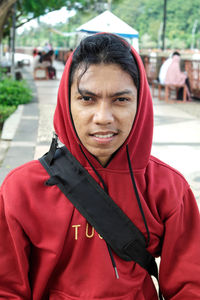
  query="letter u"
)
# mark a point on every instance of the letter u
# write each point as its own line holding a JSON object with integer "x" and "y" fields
{"x": 87, "y": 233}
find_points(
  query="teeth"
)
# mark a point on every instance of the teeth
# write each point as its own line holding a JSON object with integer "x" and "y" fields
{"x": 101, "y": 136}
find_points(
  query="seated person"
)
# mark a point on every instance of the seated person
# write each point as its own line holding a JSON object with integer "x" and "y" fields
{"x": 174, "y": 76}
{"x": 163, "y": 70}
{"x": 48, "y": 60}
{"x": 35, "y": 52}
{"x": 37, "y": 60}
{"x": 44, "y": 60}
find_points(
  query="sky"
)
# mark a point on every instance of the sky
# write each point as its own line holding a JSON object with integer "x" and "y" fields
{"x": 58, "y": 16}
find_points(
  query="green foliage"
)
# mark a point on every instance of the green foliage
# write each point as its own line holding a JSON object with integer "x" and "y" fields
{"x": 2, "y": 73}
{"x": 38, "y": 8}
{"x": 13, "y": 92}
{"x": 147, "y": 17}
{"x": 27, "y": 10}
{"x": 144, "y": 15}
{"x": 5, "y": 112}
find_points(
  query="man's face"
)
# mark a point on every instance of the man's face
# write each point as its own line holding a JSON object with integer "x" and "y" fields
{"x": 103, "y": 108}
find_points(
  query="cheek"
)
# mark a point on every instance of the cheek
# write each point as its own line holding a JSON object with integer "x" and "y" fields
{"x": 75, "y": 117}
{"x": 79, "y": 117}
{"x": 80, "y": 121}
{"x": 128, "y": 120}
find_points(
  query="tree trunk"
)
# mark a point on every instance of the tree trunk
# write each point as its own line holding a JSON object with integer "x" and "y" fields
{"x": 5, "y": 7}
{"x": 164, "y": 24}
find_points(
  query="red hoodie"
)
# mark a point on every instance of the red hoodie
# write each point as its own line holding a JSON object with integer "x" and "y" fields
{"x": 49, "y": 251}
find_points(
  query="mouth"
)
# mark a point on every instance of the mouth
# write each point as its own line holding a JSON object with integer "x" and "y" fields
{"x": 103, "y": 137}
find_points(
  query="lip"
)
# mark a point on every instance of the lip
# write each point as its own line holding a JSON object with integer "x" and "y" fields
{"x": 103, "y": 137}
{"x": 104, "y": 132}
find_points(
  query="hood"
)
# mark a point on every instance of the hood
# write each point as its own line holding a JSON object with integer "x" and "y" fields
{"x": 139, "y": 140}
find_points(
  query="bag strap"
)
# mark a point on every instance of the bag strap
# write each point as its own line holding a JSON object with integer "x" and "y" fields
{"x": 98, "y": 208}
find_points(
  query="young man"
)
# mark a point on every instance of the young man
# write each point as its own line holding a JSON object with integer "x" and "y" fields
{"x": 104, "y": 117}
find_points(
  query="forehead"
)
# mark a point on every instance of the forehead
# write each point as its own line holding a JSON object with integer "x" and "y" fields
{"x": 102, "y": 74}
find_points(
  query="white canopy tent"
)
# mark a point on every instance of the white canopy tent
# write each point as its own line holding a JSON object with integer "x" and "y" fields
{"x": 108, "y": 22}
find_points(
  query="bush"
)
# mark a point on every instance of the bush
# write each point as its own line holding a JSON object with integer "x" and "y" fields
{"x": 2, "y": 73}
{"x": 5, "y": 112}
{"x": 13, "y": 92}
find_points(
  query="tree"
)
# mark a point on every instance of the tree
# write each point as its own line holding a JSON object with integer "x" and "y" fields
{"x": 30, "y": 9}
{"x": 26, "y": 11}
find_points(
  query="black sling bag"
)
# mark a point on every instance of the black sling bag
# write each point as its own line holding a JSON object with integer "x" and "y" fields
{"x": 98, "y": 208}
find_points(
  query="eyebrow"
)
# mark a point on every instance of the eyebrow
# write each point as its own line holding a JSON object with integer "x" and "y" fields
{"x": 117, "y": 94}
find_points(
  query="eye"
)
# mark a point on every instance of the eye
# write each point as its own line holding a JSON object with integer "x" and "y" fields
{"x": 121, "y": 99}
{"x": 86, "y": 98}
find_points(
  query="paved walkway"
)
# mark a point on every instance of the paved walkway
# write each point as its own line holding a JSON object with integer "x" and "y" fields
{"x": 176, "y": 134}
{"x": 177, "y": 139}
{"x": 32, "y": 125}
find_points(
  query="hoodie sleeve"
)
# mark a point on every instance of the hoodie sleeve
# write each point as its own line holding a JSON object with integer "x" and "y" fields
{"x": 14, "y": 253}
{"x": 180, "y": 258}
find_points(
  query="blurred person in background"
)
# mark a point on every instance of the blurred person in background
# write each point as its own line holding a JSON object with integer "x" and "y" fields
{"x": 170, "y": 73}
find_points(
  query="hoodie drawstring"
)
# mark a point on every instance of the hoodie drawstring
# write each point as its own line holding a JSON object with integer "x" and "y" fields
{"x": 137, "y": 196}
{"x": 95, "y": 171}
{"x": 112, "y": 260}
{"x": 106, "y": 190}
{"x": 140, "y": 207}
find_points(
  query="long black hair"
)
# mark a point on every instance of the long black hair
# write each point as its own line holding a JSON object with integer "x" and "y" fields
{"x": 104, "y": 48}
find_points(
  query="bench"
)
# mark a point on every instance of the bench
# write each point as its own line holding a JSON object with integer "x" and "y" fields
{"x": 154, "y": 84}
{"x": 40, "y": 73}
{"x": 168, "y": 88}
{"x": 172, "y": 87}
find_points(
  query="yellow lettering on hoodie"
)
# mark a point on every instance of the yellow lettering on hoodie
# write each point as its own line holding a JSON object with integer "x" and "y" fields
{"x": 76, "y": 231}
{"x": 87, "y": 233}
{"x": 100, "y": 237}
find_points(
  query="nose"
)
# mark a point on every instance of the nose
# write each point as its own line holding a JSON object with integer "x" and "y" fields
{"x": 103, "y": 114}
